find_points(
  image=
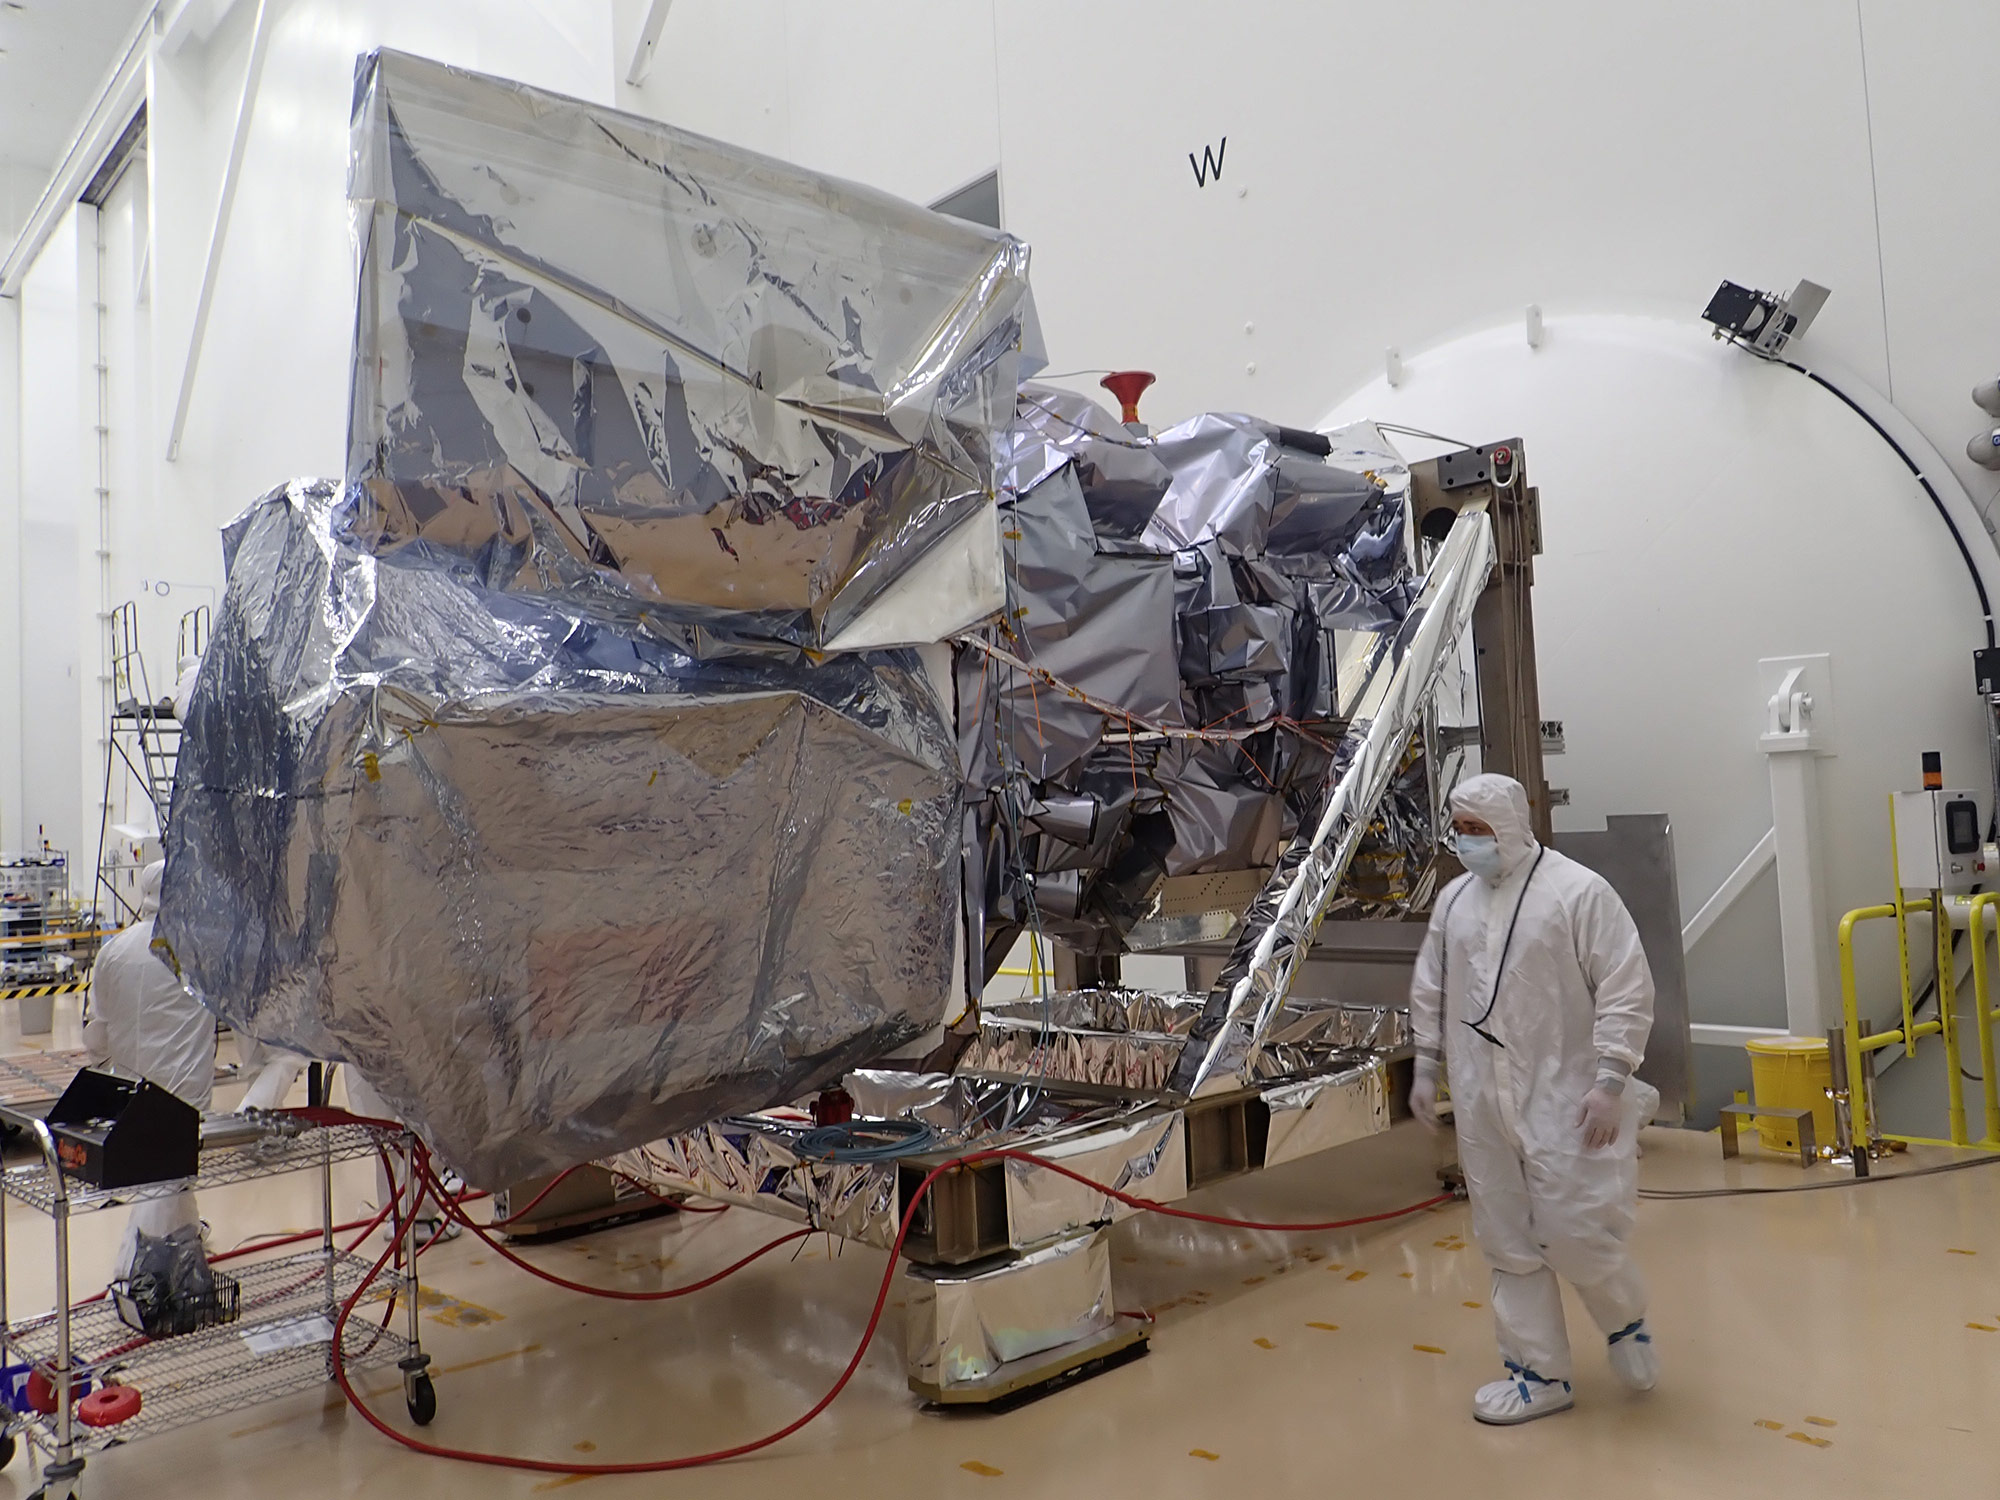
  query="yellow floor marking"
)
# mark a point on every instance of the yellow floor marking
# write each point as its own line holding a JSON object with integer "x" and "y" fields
{"x": 340, "y": 1401}
{"x": 1203, "y": 1453}
{"x": 1353, "y": 1275}
{"x": 1336, "y": 1266}
{"x": 1328, "y": 1327}
{"x": 1770, "y": 1426}
{"x": 1252, "y": 1280}
{"x": 1130, "y": 1260}
{"x": 473, "y": 1364}
{"x": 333, "y": 1405}
{"x": 974, "y": 1466}
{"x": 586, "y": 1446}
{"x": 1427, "y": 1348}
{"x": 1472, "y": 1304}
{"x": 1441, "y": 1244}
{"x": 1264, "y": 1343}
{"x": 1822, "y": 1421}
{"x": 453, "y": 1312}
{"x": 1407, "y": 1275}
{"x": 1806, "y": 1437}
{"x": 1314, "y": 1257}
{"x": 563, "y": 1483}
{"x": 1983, "y": 1327}
{"x": 1961, "y": 1252}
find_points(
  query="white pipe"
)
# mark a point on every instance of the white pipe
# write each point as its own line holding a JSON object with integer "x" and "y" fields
{"x": 1706, "y": 1034}
{"x": 649, "y": 41}
{"x": 260, "y": 37}
{"x": 1754, "y": 864}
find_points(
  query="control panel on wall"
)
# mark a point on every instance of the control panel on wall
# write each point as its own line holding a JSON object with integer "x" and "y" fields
{"x": 1938, "y": 845}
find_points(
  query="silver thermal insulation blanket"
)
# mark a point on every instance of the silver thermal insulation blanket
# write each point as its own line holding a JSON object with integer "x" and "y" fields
{"x": 553, "y": 886}
{"x": 596, "y": 356}
{"x": 1191, "y": 620}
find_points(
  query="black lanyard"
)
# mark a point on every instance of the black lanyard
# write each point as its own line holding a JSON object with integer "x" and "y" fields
{"x": 1506, "y": 947}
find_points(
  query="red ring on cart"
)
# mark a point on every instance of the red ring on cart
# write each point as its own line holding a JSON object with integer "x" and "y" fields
{"x": 108, "y": 1406}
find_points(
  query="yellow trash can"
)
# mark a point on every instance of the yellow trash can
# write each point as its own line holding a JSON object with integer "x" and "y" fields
{"x": 1791, "y": 1072}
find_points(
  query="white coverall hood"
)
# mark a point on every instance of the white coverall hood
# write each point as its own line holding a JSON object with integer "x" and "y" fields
{"x": 1501, "y": 803}
{"x": 141, "y": 1021}
{"x": 149, "y": 888}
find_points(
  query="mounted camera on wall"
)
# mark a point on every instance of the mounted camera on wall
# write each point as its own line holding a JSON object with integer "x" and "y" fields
{"x": 1763, "y": 322}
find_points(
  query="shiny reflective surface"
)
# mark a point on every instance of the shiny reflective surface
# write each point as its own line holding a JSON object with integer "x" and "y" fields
{"x": 555, "y": 887}
{"x": 1279, "y": 926}
{"x": 961, "y": 1327}
{"x": 1190, "y": 619}
{"x": 598, "y": 357}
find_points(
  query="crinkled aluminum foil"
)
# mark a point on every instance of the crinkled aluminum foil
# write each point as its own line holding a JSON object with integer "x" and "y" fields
{"x": 1280, "y": 925}
{"x": 554, "y": 888}
{"x": 755, "y": 1160}
{"x": 597, "y": 357}
{"x": 1317, "y": 1114}
{"x": 959, "y": 1328}
{"x": 1189, "y": 618}
{"x": 1131, "y": 1040}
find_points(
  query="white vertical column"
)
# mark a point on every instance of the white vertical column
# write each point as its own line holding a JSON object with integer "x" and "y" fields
{"x": 13, "y": 716}
{"x": 1798, "y": 730}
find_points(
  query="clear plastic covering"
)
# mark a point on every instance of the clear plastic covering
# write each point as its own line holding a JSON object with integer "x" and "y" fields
{"x": 554, "y": 887}
{"x": 599, "y": 357}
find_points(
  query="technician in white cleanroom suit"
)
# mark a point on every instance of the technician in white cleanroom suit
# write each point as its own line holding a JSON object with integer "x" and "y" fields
{"x": 143, "y": 1023}
{"x": 1531, "y": 985}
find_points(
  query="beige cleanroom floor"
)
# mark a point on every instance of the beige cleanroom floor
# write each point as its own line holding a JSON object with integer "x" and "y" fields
{"x": 1845, "y": 1338}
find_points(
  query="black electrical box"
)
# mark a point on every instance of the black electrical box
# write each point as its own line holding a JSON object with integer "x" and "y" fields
{"x": 1986, "y": 670}
{"x": 114, "y": 1132}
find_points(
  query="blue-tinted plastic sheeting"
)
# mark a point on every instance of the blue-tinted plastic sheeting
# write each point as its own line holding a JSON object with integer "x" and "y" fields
{"x": 554, "y": 888}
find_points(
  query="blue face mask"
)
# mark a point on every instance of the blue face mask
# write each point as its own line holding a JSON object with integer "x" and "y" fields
{"x": 1480, "y": 853}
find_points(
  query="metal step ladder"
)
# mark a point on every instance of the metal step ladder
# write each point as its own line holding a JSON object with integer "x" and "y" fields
{"x": 143, "y": 735}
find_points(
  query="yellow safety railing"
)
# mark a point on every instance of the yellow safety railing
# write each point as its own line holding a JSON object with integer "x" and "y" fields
{"x": 1947, "y": 1023}
{"x": 1037, "y": 972}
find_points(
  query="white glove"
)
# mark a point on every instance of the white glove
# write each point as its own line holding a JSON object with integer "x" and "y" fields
{"x": 1424, "y": 1099}
{"x": 1599, "y": 1117}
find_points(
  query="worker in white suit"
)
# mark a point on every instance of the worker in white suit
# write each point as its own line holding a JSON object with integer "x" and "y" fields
{"x": 1531, "y": 988}
{"x": 145, "y": 1025}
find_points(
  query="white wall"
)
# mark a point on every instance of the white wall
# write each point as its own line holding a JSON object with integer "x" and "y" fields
{"x": 53, "y": 507}
{"x": 10, "y": 573}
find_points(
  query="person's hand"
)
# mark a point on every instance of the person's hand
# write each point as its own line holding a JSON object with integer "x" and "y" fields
{"x": 1599, "y": 1118}
{"x": 1424, "y": 1101}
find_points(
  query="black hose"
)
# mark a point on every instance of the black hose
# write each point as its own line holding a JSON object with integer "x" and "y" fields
{"x": 1964, "y": 552}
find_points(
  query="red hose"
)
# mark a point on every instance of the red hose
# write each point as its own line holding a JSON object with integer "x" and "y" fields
{"x": 695, "y": 1460}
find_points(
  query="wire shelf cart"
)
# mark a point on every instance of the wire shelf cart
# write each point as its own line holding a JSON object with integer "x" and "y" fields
{"x": 279, "y": 1343}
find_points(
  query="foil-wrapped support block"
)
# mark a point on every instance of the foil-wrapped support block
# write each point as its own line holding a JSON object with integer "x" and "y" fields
{"x": 597, "y": 356}
{"x": 1317, "y": 1114}
{"x": 960, "y": 1326}
{"x": 553, "y": 887}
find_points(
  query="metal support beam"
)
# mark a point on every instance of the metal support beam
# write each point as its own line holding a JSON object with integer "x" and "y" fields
{"x": 649, "y": 42}
{"x": 260, "y": 37}
{"x": 1726, "y": 895}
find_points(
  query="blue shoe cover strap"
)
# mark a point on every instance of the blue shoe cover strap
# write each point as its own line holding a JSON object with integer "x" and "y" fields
{"x": 1635, "y": 1330}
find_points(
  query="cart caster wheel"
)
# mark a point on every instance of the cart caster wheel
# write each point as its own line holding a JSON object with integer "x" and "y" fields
{"x": 422, "y": 1400}
{"x": 7, "y": 1448}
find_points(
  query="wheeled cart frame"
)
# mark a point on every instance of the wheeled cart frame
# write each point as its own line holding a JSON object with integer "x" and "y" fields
{"x": 279, "y": 1343}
